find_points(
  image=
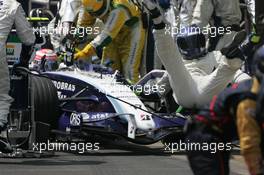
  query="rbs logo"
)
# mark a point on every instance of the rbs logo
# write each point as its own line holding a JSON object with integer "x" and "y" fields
{"x": 75, "y": 119}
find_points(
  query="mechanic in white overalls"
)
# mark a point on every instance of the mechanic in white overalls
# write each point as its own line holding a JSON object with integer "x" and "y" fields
{"x": 62, "y": 23}
{"x": 11, "y": 13}
{"x": 219, "y": 13}
{"x": 231, "y": 16}
{"x": 216, "y": 12}
{"x": 225, "y": 13}
{"x": 196, "y": 82}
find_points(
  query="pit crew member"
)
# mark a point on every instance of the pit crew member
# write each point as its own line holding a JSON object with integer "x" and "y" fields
{"x": 236, "y": 110}
{"x": 11, "y": 13}
{"x": 193, "y": 75}
{"x": 122, "y": 38}
{"x": 225, "y": 14}
{"x": 64, "y": 20}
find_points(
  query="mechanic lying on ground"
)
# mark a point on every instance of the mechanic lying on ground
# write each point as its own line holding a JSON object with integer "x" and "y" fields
{"x": 122, "y": 38}
{"x": 190, "y": 14}
{"x": 195, "y": 83}
{"x": 11, "y": 13}
{"x": 236, "y": 110}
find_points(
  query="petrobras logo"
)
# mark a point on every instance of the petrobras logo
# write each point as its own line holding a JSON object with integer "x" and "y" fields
{"x": 60, "y": 85}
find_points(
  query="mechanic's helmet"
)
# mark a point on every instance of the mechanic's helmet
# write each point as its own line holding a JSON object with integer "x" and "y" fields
{"x": 40, "y": 16}
{"x": 258, "y": 63}
{"x": 47, "y": 59}
{"x": 191, "y": 42}
{"x": 96, "y": 8}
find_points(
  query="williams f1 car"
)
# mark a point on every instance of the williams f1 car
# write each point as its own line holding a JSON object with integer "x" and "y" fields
{"x": 70, "y": 104}
{"x": 100, "y": 103}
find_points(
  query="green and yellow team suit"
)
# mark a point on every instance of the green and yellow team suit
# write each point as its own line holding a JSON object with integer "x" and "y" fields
{"x": 122, "y": 38}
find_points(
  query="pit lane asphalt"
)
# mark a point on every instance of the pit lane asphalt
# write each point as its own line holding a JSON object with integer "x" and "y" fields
{"x": 116, "y": 159}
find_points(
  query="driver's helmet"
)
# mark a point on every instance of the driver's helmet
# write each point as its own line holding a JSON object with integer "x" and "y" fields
{"x": 191, "y": 42}
{"x": 45, "y": 59}
{"x": 88, "y": 105}
{"x": 97, "y": 8}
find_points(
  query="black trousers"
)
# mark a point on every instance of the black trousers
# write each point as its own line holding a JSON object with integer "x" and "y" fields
{"x": 259, "y": 16}
{"x": 203, "y": 161}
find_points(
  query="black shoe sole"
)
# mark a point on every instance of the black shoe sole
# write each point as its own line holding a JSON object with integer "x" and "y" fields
{"x": 237, "y": 40}
{"x": 233, "y": 47}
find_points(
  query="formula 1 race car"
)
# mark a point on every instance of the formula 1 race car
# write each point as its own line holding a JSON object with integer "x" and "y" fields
{"x": 73, "y": 104}
{"x": 70, "y": 104}
{"x": 98, "y": 103}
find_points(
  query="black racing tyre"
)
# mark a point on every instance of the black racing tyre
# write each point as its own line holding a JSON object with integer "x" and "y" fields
{"x": 45, "y": 101}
